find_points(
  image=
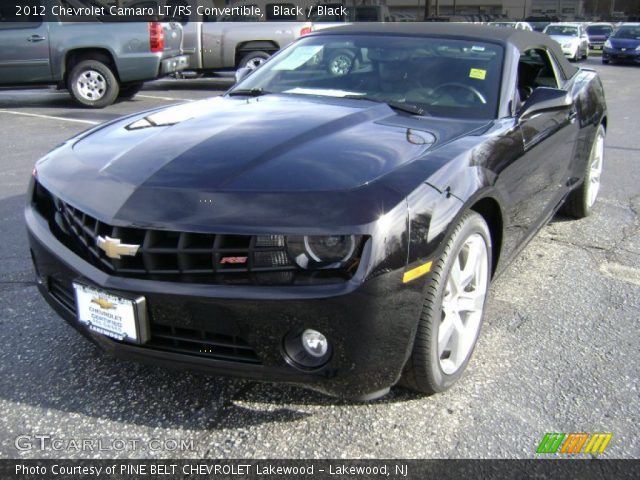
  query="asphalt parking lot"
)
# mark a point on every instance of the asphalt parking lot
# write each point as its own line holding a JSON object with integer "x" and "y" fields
{"x": 558, "y": 353}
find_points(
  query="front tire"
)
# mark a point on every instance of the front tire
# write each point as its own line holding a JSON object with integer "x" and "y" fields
{"x": 92, "y": 84}
{"x": 453, "y": 309}
{"x": 580, "y": 202}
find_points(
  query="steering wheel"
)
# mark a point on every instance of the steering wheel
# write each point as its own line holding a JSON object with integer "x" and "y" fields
{"x": 461, "y": 86}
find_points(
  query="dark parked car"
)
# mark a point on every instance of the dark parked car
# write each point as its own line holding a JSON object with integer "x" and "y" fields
{"x": 334, "y": 231}
{"x": 598, "y": 34}
{"x": 623, "y": 45}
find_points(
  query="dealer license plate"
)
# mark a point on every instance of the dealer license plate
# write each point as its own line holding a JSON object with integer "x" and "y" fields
{"x": 111, "y": 315}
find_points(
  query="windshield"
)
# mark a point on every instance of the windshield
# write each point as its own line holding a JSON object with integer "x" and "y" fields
{"x": 561, "y": 30}
{"x": 599, "y": 30}
{"x": 628, "y": 32}
{"x": 440, "y": 77}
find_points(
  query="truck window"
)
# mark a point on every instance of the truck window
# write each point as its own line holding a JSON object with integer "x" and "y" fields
{"x": 20, "y": 14}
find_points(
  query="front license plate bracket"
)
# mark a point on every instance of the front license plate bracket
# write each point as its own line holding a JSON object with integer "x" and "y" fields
{"x": 113, "y": 315}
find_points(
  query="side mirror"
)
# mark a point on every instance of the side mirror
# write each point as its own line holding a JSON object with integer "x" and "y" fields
{"x": 544, "y": 98}
{"x": 242, "y": 73}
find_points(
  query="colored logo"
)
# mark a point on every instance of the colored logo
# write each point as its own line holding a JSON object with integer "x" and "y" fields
{"x": 103, "y": 303}
{"x": 572, "y": 443}
{"x": 114, "y": 249}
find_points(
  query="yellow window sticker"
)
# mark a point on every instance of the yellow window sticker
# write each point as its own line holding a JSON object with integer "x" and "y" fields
{"x": 477, "y": 74}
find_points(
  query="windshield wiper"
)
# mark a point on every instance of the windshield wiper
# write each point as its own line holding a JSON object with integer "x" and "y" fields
{"x": 251, "y": 92}
{"x": 401, "y": 106}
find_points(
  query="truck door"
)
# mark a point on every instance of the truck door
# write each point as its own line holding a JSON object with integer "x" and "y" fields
{"x": 24, "y": 44}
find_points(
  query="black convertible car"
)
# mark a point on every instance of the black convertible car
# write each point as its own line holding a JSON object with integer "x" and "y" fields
{"x": 334, "y": 220}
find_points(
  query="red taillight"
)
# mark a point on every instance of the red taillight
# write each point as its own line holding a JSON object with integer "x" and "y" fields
{"x": 305, "y": 31}
{"x": 156, "y": 37}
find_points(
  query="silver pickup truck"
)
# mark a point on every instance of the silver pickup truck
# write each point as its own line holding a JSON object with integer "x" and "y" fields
{"x": 96, "y": 61}
{"x": 235, "y": 38}
{"x": 235, "y": 34}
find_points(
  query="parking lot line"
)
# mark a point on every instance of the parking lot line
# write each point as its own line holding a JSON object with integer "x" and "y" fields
{"x": 51, "y": 117}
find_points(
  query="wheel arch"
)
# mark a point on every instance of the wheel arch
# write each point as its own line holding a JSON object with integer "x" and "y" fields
{"x": 245, "y": 48}
{"x": 438, "y": 213}
{"x": 77, "y": 55}
{"x": 489, "y": 209}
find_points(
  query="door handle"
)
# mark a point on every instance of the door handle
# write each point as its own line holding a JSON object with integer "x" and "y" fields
{"x": 36, "y": 38}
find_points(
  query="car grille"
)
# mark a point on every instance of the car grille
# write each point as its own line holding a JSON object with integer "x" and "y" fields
{"x": 173, "y": 338}
{"x": 179, "y": 256}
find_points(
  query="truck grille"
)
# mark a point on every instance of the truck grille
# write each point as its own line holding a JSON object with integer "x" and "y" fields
{"x": 179, "y": 256}
{"x": 202, "y": 342}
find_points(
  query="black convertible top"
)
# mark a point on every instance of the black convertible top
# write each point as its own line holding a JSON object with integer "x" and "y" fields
{"x": 521, "y": 39}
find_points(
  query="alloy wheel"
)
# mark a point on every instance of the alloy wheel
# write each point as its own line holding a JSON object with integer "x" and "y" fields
{"x": 595, "y": 169}
{"x": 91, "y": 85}
{"x": 463, "y": 304}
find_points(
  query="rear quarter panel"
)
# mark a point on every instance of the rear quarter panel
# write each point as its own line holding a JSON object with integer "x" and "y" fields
{"x": 128, "y": 44}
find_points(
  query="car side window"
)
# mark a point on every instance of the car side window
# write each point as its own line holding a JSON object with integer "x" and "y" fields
{"x": 26, "y": 14}
{"x": 535, "y": 69}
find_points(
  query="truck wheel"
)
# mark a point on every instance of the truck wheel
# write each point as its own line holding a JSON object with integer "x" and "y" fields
{"x": 93, "y": 84}
{"x": 340, "y": 63}
{"x": 129, "y": 90}
{"x": 253, "y": 60}
{"x": 452, "y": 310}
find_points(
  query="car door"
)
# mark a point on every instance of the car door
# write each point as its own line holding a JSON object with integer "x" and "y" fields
{"x": 538, "y": 181}
{"x": 24, "y": 45}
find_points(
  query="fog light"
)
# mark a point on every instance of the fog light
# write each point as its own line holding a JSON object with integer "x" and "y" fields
{"x": 315, "y": 343}
{"x": 307, "y": 349}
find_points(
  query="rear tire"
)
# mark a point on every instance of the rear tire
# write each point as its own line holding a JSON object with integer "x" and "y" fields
{"x": 453, "y": 309}
{"x": 93, "y": 84}
{"x": 253, "y": 60}
{"x": 341, "y": 62}
{"x": 580, "y": 202}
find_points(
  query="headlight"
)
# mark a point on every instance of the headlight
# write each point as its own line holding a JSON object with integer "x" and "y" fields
{"x": 317, "y": 252}
{"x": 607, "y": 44}
{"x": 638, "y": 48}
{"x": 567, "y": 45}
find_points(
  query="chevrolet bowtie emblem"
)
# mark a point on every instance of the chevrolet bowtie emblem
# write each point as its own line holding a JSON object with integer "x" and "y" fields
{"x": 114, "y": 249}
{"x": 106, "y": 304}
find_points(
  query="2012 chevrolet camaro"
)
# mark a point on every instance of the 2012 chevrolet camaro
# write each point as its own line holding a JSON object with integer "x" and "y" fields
{"x": 332, "y": 227}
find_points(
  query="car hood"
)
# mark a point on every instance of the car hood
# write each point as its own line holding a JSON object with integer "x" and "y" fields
{"x": 189, "y": 155}
{"x": 564, "y": 39}
{"x": 624, "y": 42}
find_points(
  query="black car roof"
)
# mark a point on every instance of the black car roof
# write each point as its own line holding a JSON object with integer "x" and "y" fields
{"x": 521, "y": 39}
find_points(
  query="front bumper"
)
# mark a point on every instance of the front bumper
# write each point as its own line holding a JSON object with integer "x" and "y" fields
{"x": 371, "y": 325}
{"x": 616, "y": 54}
{"x": 570, "y": 52}
{"x": 174, "y": 64}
